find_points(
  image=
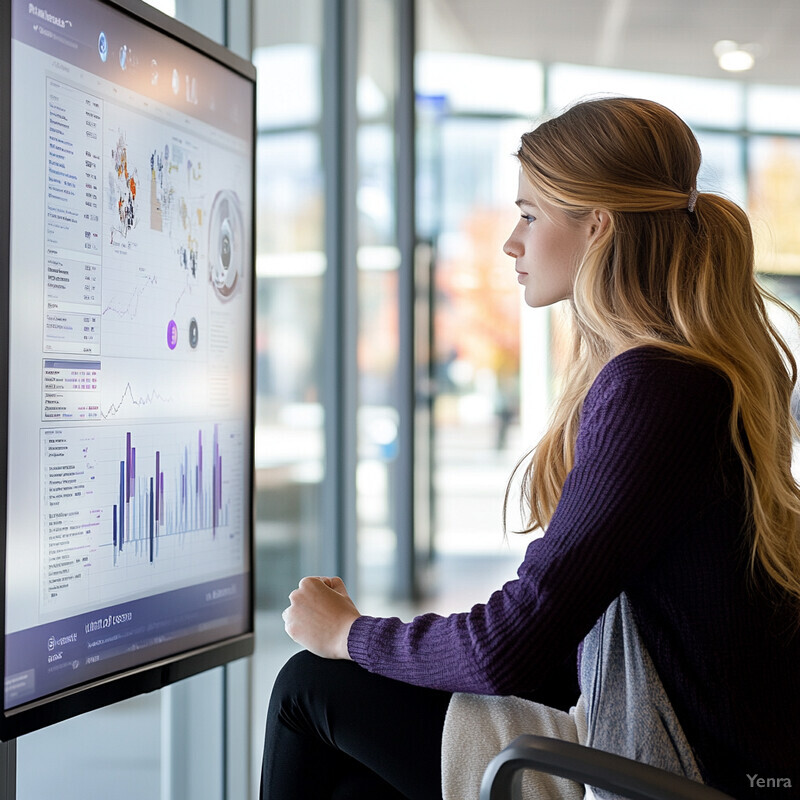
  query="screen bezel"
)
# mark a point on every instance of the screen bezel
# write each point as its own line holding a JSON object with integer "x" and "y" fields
{"x": 162, "y": 672}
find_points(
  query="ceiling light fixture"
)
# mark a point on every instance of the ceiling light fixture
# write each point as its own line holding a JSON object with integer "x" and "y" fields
{"x": 735, "y": 57}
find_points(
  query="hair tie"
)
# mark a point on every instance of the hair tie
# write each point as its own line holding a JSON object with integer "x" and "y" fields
{"x": 692, "y": 201}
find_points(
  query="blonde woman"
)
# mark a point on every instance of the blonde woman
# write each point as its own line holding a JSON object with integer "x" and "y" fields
{"x": 668, "y": 576}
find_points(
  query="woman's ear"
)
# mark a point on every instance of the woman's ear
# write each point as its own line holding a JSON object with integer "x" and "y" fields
{"x": 599, "y": 220}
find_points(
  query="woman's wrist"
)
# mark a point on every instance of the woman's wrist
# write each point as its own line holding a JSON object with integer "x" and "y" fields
{"x": 344, "y": 648}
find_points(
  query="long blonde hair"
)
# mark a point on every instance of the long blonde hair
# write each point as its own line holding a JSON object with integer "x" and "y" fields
{"x": 683, "y": 281}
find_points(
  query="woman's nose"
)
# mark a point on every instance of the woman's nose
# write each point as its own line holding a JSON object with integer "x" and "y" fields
{"x": 511, "y": 248}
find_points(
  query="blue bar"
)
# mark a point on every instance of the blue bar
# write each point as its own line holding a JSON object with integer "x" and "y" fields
{"x": 61, "y": 364}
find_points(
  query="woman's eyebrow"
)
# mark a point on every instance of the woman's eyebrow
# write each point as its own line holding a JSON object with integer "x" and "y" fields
{"x": 523, "y": 202}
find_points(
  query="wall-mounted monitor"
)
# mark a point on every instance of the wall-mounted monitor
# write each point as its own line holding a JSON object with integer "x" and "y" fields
{"x": 126, "y": 355}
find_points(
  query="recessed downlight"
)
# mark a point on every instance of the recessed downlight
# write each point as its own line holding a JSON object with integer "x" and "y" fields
{"x": 734, "y": 57}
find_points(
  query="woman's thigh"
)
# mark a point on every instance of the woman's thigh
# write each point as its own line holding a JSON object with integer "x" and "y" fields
{"x": 336, "y": 730}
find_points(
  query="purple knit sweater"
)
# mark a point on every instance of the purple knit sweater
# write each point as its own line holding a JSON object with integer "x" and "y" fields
{"x": 653, "y": 506}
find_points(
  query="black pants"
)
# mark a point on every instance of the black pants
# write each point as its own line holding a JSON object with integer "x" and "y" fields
{"x": 335, "y": 730}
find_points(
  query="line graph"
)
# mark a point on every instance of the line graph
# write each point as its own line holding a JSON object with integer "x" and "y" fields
{"x": 128, "y": 397}
{"x": 128, "y": 308}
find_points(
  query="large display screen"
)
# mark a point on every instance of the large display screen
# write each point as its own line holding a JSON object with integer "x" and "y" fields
{"x": 127, "y": 186}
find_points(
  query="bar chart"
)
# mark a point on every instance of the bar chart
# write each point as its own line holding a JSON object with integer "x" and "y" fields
{"x": 157, "y": 501}
{"x": 139, "y": 508}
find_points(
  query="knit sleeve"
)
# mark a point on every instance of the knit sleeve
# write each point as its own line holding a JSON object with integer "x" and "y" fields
{"x": 646, "y": 437}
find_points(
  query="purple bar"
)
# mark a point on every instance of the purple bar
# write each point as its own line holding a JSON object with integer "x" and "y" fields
{"x": 214, "y": 486}
{"x": 218, "y": 476}
{"x": 128, "y": 465}
{"x": 158, "y": 469}
{"x": 200, "y": 500}
{"x": 121, "y": 503}
{"x": 161, "y": 496}
{"x": 133, "y": 472}
{"x": 115, "y": 526}
{"x": 151, "y": 519}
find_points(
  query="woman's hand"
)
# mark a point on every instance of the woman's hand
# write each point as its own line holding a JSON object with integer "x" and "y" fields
{"x": 320, "y": 616}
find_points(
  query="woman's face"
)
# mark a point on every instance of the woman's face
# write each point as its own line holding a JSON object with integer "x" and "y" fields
{"x": 547, "y": 248}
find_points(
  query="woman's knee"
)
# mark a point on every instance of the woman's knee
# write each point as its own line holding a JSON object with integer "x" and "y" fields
{"x": 304, "y": 670}
{"x": 307, "y": 687}
{"x": 293, "y": 681}
{"x": 296, "y": 672}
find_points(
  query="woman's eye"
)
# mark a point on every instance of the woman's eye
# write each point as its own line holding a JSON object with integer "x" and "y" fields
{"x": 528, "y": 218}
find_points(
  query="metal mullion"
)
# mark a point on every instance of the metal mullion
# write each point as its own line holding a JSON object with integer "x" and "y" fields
{"x": 340, "y": 303}
{"x": 406, "y": 584}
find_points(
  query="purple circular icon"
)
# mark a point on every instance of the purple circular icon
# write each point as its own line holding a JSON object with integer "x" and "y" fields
{"x": 172, "y": 335}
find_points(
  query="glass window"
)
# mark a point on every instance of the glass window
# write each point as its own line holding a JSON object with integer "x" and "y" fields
{"x": 774, "y": 108}
{"x": 290, "y": 272}
{"x": 166, "y": 6}
{"x": 376, "y": 185}
{"x": 699, "y": 101}
{"x": 722, "y": 169}
{"x": 477, "y": 411}
{"x": 284, "y": 102}
{"x": 118, "y": 746}
{"x": 478, "y": 168}
{"x": 289, "y": 193}
{"x": 290, "y": 269}
{"x": 468, "y": 82}
{"x": 774, "y": 203}
{"x": 378, "y": 260}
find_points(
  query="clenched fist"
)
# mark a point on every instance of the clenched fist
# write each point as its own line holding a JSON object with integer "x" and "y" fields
{"x": 320, "y": 615}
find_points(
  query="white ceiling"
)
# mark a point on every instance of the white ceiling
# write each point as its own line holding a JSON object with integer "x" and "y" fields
{"x": 674, "y": 36}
